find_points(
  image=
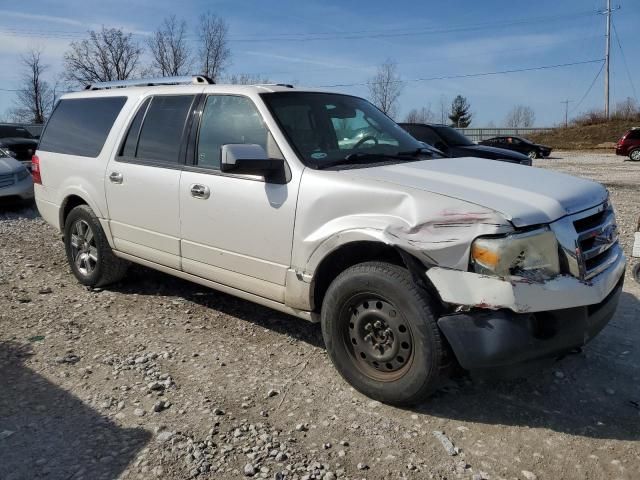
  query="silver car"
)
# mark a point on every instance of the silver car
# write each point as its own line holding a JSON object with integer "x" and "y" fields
{"x": 16, "y": 183}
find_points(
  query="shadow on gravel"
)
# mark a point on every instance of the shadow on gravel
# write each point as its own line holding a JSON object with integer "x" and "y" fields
{"x": 47, "y": 432}
{"x": 12, "y": 210}
{"x": 145, "y": 281}
{"x": 593, "y": 394}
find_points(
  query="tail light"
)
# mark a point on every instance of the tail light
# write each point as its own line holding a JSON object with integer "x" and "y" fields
{"x": 35, "y": 170}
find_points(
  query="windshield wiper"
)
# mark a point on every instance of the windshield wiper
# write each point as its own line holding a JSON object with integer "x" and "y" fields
{"x": 355, "y": 158}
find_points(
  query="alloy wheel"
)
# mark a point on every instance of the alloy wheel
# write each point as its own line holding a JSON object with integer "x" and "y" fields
{"x": 83, "y": 248}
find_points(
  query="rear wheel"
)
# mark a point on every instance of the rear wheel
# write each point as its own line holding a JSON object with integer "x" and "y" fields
{"x": 380, "y": 331}
{"x": 532, "y": 154}
{"x": 635, "y": 155}
{"x": 636, "y": 273}
{"x": 88, "y": 252}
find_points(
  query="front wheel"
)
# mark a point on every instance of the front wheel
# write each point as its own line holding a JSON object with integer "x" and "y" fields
{"x": 381, "y": 333}
{"x": 636, "y": 273}
{"x": 635, "y": 155}
{"x": 533, "y": 154}
{"x": 88, "y": 252}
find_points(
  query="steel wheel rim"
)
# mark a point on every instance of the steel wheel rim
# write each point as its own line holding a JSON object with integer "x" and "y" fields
{"x": 377, "y": 337}
{"x": 84, "y": 252}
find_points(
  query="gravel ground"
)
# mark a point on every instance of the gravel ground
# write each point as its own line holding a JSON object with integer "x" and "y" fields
{"x": 160, "y": 378}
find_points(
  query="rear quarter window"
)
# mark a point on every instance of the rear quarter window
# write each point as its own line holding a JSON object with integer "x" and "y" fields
{"x": 80, "y": 126}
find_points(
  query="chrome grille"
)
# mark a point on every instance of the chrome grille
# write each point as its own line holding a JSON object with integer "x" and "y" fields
{"x": 596, "y": 235}
{"x": 7, "y": 180}
{"x": 589, "y": 241}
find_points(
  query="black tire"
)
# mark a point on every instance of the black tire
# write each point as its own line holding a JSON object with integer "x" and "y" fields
{"x": 533, "y": 154}
{"x": 98, "y": 266}
{"x": 375, "y": 292}
{"x": 634, "y": 155}
{"x": 636, "y": 272}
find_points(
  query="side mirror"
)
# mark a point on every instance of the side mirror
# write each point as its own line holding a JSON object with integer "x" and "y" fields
{"x": 249, "y": 159}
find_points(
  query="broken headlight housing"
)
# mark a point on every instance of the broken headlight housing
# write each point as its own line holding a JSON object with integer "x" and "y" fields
{"x": 531, "y": 254}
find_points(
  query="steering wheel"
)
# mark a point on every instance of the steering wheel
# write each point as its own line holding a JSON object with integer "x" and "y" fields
{"x": 365, "y": 139}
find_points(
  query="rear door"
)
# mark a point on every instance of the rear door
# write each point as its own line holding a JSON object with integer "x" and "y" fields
{"x": 143, "y": 180}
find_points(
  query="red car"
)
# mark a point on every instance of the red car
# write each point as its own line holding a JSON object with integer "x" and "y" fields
{"x": 629, "y": 144}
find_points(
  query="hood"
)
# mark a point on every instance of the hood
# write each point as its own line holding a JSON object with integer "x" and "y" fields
{"x": 486, "y": 151}
{"x": 9, "y": 165}
{"x": 524, "y": 195}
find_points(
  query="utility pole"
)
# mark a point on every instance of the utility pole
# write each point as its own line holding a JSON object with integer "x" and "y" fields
{"x": 566, "y": 111}
{"x": 606, "y": 61}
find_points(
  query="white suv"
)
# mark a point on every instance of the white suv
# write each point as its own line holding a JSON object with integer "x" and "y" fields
{"x": 318, "y": 205}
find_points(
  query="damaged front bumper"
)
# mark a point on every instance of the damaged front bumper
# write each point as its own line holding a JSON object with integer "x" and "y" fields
{"x": 511, "y": 323}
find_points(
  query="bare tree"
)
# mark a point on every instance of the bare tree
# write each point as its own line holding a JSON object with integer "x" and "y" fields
{"x": 169, "y": 48}
{"x": 422, "y": 115}
{"x": 107, "y": 55}
{"x": 443, "y": 104}
{"x": 35, "y": 100}
{"x": 385, "y": 88}
{"x": 627, "y": 109}
{"x": 213, "y": 50}
{"x": 247, "y": 79}
{"x": 520, "y": 116}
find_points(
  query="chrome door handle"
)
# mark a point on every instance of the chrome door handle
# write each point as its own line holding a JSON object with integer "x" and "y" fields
{"x": 115, "y": 177}
{"x": 200, "y": 191}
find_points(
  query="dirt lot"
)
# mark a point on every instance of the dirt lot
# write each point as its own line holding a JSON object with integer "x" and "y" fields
{"x": 159, "y": 378}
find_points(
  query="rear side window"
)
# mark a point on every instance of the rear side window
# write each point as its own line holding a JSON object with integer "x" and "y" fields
{"x": 130, "y": 145}
{"x": 161, "y": 133}
{"x": 422, "y": 133}
{"x": 80, "y": 126}
{"x": 634, "y": 135}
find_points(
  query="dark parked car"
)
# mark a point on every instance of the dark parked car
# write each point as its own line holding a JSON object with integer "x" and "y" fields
{"x": 454, "y": 144}
{"x": 518, "y": 144}
{"x": 629, "y": 144}
{"x": 17, "y": 140}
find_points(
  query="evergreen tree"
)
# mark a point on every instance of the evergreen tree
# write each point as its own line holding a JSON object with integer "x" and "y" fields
{"x": 460, "y": 115}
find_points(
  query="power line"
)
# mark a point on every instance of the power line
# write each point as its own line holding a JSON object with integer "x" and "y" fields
{"x": 624, "y": 60}
{"x": 589, "y": 89}
{"x": 469, "y": 75}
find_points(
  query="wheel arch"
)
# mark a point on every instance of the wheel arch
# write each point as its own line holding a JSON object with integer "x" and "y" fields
{"x": 357, "y": 251}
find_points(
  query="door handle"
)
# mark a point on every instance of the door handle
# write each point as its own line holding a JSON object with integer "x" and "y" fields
{"x": 116, "y": 177}
{"x": 200, "y": 191}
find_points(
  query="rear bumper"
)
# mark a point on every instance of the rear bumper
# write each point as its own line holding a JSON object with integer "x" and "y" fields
{"x": 20, "y": 191}
{"x": 621, "y": 151}
{"x": 484, "y": 339}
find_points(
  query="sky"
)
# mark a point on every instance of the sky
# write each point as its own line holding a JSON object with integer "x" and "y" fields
{"x": 321, "y": 43}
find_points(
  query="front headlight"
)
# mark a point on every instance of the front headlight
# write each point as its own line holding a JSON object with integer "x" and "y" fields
{"x": 529, "y": 254}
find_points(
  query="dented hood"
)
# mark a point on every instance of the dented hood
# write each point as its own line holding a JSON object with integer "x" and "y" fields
{"x": 524, "y": 195}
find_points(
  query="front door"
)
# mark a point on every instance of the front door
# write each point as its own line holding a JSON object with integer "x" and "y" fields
{"x": 143, "y": 181}
{"x": 236, "y": 229}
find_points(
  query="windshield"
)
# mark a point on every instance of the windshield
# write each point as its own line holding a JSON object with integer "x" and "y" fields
{"x": 325, "y": 128}
{"x": 453, "y": 137}
{"x": 7, "y": 131}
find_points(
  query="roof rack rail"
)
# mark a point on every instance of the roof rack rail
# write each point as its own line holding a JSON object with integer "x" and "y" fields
{"x": 287, "y": 85}
{"x": 148, "y": 82}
